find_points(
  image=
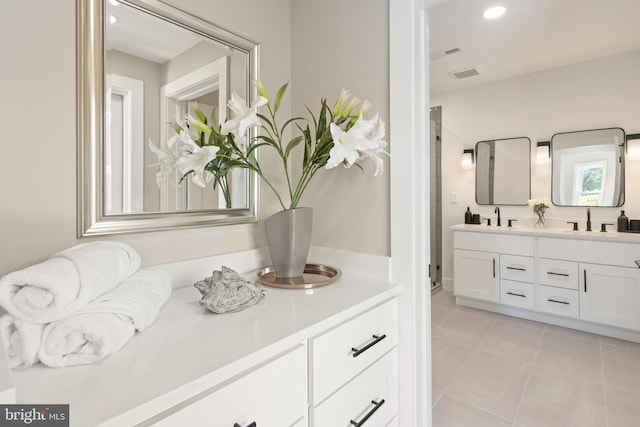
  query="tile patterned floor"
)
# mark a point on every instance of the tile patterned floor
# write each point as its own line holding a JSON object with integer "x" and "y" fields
{"x": 494, "y": 370}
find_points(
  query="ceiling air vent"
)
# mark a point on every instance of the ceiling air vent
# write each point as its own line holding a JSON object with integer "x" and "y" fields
{"x": 463, "y": 74}
{"x": 445, "y": 52}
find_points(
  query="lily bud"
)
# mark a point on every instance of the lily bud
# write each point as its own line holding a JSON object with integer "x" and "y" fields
{"x": 337, "y": 108}
{"x": 261, "y": 90}
{"x": 198, "y": 124}
{"x": 347, "y": 110}
{"x": 363, "y": 108}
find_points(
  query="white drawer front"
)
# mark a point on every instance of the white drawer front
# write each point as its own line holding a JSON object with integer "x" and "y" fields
{"x": 355, "y": 401}
{"x": 519, "y": 268}
{"x": 333, "y": 361}
{"x": 273, "y": 395}
{"x": 562, "y": 274}
{"x": 517, "y": 294}
{"x": 516, "y": 245}
{"x": 563, "y": 302}
{"x": 622, "y": 254}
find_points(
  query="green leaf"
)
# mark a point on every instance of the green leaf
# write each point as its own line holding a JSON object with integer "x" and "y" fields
{"x": 288, "y": 122}
{"x": 292, "y": 144}
{"x": 279, "y": 96}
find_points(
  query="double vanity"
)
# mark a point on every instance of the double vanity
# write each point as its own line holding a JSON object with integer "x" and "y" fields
{"x": 582, "y": 280}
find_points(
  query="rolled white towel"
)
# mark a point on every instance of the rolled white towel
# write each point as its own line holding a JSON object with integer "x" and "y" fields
{"x": 106, "y": 324}
{"x": 21, "y": 341}
{"x": 68, "y": 281}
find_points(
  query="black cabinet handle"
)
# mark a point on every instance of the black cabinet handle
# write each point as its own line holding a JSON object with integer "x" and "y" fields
{"x": 517, "y": 268}
{"x": 556, "y": 301}
{"x": 253, "y": 424}
{"x": 494, "y": 267}
{"x": 376, "y": 339}
{"x": 557, "y": 274}
{"x": 585, "y": 280}
{"x": 369, "y": 414}
{"x": 516, "y": 295}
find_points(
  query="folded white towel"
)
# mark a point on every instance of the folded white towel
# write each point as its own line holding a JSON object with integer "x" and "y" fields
{"x": 106, "y": 324}
{"x": 67, "y": 281}
{"x": 21, "y": 340}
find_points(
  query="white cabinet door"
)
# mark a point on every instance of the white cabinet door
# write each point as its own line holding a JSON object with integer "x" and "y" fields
{"x": 475, "y": 275}
{"x": 610, "y": 295}
{"x": 273, "y": 395}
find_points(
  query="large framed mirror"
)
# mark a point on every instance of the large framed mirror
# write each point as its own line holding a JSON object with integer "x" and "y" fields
{"x": 588, "y": 168}
{"x": 141, "y": 64}
{"x": 503, "y": 171}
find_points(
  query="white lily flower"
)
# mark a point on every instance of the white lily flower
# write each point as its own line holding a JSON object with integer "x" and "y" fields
{"x": 243, "y": 116}
{"x": 196, "y": 159}
{"x": 375, "y": 137}
{"x": 166, "y": 161}
{"x": 374, "y": 155}
{"x": 348, "y": 145}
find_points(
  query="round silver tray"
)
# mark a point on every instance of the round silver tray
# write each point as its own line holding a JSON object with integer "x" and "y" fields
{"x": 314, "y": 276}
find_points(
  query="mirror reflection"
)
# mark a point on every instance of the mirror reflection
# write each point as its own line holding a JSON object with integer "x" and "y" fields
{"x": 141, "y": 65}
{"x": 154, "y": 69}
{"x": 503, "y": 171}
{"x": 588, "y": 168}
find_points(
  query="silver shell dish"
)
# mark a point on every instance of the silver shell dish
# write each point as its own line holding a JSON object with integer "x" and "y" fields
{"x": 227, "y": 292}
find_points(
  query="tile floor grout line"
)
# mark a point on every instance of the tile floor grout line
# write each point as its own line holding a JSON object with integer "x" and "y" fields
{"x": 462, "y": 365}
{"x": 480, "y": 409}
{"x": 526, "y": 384}
{"x": 604, "y": 388}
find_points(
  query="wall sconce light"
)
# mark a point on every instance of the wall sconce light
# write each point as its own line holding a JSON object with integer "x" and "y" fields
{"x": 467, "y": 158}
{"x": 543, "y": 152}
{"x": 633, "y": 146}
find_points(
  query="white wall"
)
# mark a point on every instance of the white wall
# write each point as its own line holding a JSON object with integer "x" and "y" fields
{"x": 37, "y": 118}
{"x": 595, "y": 94}
{"x": 351, "y": 208}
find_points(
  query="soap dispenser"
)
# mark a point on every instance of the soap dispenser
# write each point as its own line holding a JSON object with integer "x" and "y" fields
{"x": 623, "y": 222}
{"x": 468, "y": 217}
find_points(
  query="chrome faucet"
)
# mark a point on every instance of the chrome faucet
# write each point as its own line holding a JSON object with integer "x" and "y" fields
{"x": 498, "y": 212}
{"x": 588, "y": 219}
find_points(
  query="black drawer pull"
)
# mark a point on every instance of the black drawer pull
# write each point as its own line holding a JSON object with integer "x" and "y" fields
{"x": 516, "y": 268}
{"x": 559, "y": 302}
{"x": 253, "y": 424}
{"x": 557, "y": 274}
{"x": 516, "y": 295}
{"x": 376, "y": 340}
{"x": 369, "y": 414}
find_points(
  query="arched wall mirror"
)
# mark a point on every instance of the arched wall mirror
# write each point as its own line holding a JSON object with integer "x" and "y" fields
{"x": 588, "y": 168}
{"x": 141, "y": 63}
{"x": 503, "y": 169}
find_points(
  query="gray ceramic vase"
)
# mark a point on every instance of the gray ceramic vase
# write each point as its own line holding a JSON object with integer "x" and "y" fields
{"x": 289, "y": 238}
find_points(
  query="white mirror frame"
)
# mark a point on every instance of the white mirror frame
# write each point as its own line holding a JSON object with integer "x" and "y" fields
{"x": 91, "y": 125}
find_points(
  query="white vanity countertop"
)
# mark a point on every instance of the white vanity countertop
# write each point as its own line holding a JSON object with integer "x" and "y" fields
{"x": 597, "y": 235}
{"x": 188, "y": 350}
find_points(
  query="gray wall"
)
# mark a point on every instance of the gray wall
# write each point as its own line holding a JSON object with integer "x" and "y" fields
{"x": 352, "y": 52}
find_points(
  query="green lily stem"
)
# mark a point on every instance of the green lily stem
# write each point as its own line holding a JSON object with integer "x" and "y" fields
{"x": 281, "y": 153}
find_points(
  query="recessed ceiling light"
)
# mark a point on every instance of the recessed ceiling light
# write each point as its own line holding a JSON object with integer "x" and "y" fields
{"x": 494, "y": 12}
{"x": 113, "y": 19}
